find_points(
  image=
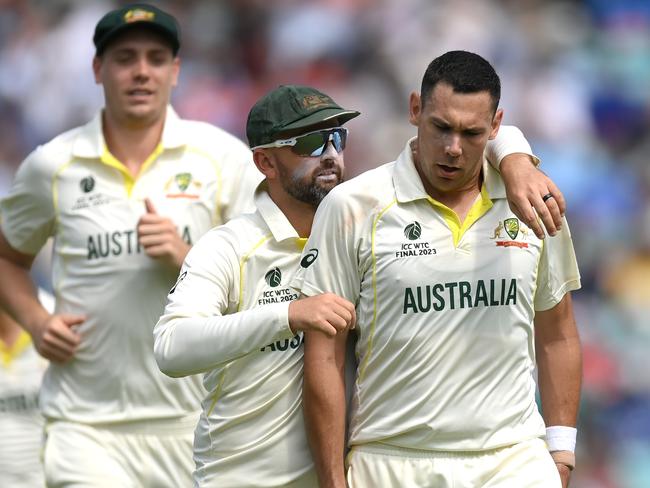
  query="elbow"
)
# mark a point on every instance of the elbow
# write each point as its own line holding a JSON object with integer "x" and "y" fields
{"x": 166, "y": 367}
{"x": 166, "y": 359}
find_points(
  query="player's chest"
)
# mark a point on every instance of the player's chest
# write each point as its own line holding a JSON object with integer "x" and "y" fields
{"x": 416, "y": 244}
{"x": 94, "y": 196}
{"x": 266, "y": 276}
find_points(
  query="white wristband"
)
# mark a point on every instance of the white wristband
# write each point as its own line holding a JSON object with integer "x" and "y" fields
{"x": 561, "y": 438}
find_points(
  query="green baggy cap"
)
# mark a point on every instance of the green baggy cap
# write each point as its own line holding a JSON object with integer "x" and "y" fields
{"x": 291, "y": 107}
{"x": 137, "y": 14}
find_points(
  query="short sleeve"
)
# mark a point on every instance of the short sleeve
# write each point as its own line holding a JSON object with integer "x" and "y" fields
{"x": 509, "y": 140}
{"x": 329, "y": 262}
{"x": 558, "y": 270}
{"x": 27, "y": 213}
{"x": 240, "y": 177}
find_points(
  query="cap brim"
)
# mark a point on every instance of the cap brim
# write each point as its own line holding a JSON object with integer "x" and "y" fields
{"x": 322, "y": 116}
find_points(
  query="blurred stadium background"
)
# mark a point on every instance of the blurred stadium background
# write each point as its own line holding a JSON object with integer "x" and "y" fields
{"x": 576, "y": 80}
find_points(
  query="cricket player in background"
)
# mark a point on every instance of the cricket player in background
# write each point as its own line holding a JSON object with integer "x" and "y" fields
{"x": 124, "y": 197}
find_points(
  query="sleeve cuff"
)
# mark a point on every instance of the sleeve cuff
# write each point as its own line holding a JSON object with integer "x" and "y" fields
{"x": 281, "y": 319}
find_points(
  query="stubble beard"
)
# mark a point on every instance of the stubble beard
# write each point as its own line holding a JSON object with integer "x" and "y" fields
{"x": 309, "y": 192}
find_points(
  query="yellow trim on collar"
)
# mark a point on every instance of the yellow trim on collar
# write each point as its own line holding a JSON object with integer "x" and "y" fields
{"x": 300, "y": 242}
{"x": 10, "y": 353}
{"x": 480, "y": 207}
{"x": 129, "y": 180}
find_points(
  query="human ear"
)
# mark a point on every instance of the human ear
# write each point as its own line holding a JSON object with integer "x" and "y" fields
{"x": 266, "y": 163}
{"x": 415, "y": 108}
{"x": 496, "y": 123}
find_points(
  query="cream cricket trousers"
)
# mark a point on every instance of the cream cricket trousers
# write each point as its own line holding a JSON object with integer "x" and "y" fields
{"x": 152, "y": 454}
{"x": 524, "y": 465}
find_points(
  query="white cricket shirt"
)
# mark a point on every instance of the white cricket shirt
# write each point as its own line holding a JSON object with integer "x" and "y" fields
{"x": 21, "y": 423}
{"x": 227, "y": 316}
{"x": 74, "y": 190}
{"x": 444, "y": 310}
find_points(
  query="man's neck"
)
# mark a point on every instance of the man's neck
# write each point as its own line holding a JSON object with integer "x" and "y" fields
{"x": 131, "y": 144}
{"x": 460, "y": 200}
{"x": 299, "y": 214}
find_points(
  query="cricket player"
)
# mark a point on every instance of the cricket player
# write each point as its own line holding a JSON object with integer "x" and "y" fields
{"x": 457, "y": 301}
{"x": 232, "y": 314}
{"x": 21, "y": 422}
{"x": 124, "y": 197}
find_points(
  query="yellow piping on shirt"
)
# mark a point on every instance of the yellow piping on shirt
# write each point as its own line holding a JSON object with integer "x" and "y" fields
{"x": 242, "y": 262}
{"x": 57, "y": 219}
{"x": 217, "y": 392}
{"x": 217, "y": 169}
{"x": 458, "y": 229}
{"x": 129, "y": 180}
{"x": 539, "y": 260}
{"x": 371, "y": 334}
{"x": 9, "y": 353}
{"x": 55, "y": 191}
{"x": 300, "y": 242}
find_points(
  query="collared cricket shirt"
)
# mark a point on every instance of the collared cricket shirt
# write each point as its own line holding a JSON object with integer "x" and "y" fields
{"x": 227, "y": 316}
{"x": 74, "y": 190}
{"x": 444, "y": 309}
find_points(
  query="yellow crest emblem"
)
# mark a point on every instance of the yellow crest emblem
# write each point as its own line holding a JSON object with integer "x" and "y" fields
{"x": 137, "y": 15}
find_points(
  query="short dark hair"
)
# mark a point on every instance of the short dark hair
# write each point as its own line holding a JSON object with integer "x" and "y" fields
{"x": 466, "y": 72}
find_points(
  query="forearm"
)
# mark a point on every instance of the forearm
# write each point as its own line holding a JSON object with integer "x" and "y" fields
{"x": 18, "y": 296}
{"x": 560, "y": 378}
{"x": 324, "y": 410}
{"x": 509, "y": 141}
{"x": 189, "y": 345}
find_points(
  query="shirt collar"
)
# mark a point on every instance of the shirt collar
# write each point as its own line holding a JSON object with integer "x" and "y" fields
{"x": 409, "y": 186}
{"x": 272, "y": 215}
{"x": 90, "y": 142}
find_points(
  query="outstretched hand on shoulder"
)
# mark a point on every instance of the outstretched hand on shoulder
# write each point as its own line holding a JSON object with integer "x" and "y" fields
{"x": 532, "y": 195}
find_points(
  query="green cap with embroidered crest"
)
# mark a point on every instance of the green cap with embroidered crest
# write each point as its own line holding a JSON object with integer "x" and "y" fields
{"x": 291, "y": 107}
{"x": 117, "y": 21}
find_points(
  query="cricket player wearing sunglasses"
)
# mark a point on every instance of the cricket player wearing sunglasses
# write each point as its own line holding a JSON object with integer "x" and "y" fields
{"x": 232, "y": 314}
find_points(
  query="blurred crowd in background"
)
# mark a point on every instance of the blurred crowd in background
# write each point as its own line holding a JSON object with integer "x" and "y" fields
{"x": 575, "y": 78}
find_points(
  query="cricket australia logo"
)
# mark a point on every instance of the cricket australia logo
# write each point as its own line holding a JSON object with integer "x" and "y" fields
{"x": 137, "y": 15}
{"x": 413, "y": 231}
{"x": 513, "y": 229}
{"x": 273, "y": 277}
{"x": 183, "y": 180}
{"x": 309, "y": 258}
{"x": 87, "y": 184}
{"x": 178, "y": 186}
{"x": 311, "y": 102}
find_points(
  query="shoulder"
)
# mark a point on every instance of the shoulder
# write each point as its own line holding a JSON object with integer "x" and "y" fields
{"x": 210, "y": 137}
{"x": 236, "y": 237}
{"x": 366, "y": 191}
{"x": 48, "y": 158}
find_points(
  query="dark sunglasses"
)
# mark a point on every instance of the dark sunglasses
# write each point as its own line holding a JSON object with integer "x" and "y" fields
{"x": 313, "y": 143}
